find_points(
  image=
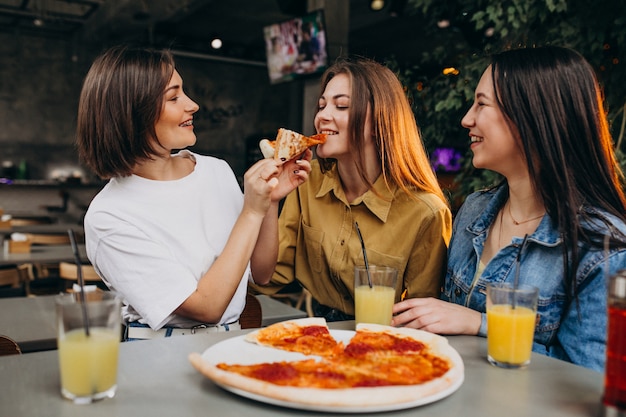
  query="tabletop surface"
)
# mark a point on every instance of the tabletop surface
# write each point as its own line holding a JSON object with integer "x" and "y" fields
{"x": 31, "y": 320}
{"x": 156, "y": 379}
{"x": 43, "y": 253}
{"x": 46, "y": 229}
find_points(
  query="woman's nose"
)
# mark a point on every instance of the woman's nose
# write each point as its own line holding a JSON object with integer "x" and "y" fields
{"x": 193, "y": 106}
{"x": 468, "y": 119}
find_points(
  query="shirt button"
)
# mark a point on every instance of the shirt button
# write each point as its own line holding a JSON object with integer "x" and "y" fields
{"x": 457, "y": 292}
{"x": 342, "y": 242}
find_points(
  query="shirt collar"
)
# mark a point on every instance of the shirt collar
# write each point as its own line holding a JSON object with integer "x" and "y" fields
{"x": 380, "y": 207}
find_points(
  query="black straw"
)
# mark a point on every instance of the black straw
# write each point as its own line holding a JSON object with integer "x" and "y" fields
{"x": 367, "y": 266}
{"x": 81, "y": 281}
{"x": 517, "y": 268}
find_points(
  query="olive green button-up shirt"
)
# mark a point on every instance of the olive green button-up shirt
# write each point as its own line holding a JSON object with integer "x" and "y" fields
{"x": 319, "y": 246}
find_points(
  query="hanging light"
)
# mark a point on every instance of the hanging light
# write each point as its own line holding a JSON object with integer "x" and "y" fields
{"x": 216, "y": 43}
{"x": 376, "y": 5}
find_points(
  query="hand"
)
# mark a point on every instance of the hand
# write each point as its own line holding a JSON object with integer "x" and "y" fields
{"x": 258, "y": 183}
{"x": 270, "y": 181}
{"x": 436, "y": 316}
{"x": 292, "y": 174}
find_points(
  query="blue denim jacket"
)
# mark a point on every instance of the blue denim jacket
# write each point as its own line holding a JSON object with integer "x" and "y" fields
{"x": 576, "y": 331}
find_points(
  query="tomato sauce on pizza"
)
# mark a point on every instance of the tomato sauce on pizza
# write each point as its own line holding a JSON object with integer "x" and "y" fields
{"x": 372, "y": 358}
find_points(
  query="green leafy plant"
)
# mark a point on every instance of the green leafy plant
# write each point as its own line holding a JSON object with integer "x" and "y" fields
{"x": 481, "y": 27}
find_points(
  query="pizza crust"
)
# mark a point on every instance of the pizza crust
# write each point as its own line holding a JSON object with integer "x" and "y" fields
{"x": 288, "y": 144}
{"x": 349, "y": 398}
{"x": 307, "y": 321}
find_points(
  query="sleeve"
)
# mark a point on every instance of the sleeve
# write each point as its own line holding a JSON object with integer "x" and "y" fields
{"x": 426, "y": 267}
{"x": 147, "y": 273}
{"x": 582, "y": 334}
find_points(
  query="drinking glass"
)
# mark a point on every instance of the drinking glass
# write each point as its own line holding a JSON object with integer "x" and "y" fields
{"x": 88, "y": 362}
{"x": 511, "y": 317}
{"x": 374, "y": 304}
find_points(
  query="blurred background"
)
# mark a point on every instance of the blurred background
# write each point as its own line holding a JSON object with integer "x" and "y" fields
{"x": 224, "y": 50}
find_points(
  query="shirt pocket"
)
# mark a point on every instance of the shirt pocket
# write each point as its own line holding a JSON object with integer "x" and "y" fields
{"x": 313, "y": 239}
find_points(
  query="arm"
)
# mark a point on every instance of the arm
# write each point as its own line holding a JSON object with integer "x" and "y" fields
{"x": 432, "y": 314}
{"x": 263, "y": 261}
{"x": 265, "y": 183}
{"x": 436, "y": 316}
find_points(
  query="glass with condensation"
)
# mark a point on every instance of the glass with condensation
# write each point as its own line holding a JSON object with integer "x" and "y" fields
{"x": 88, "y": 355}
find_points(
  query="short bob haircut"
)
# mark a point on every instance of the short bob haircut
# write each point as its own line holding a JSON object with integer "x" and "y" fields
{"x": 120, "y": 103}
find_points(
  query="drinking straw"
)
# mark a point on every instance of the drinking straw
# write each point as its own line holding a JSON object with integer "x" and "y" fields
{"x": 517, "y": 268}
{"x": 367, "y": 266}
{"x": 81, "y": 281}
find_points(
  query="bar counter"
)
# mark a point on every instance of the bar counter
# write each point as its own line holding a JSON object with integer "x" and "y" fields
{"x": 156, "y": 379}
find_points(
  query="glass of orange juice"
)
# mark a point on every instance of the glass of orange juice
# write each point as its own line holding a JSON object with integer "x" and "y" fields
{"x": 511, "y": 318}
{"x": 88, "y": 354}
{"x": 374, "y": 304}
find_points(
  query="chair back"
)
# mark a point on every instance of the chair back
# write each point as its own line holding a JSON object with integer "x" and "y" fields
{"x": 68, "y": 272}
{"x": 48, "y": 239}
{"x": 9, "y": 346}
{"x": 251, "y": 317}
{"x": 13, "y": 280}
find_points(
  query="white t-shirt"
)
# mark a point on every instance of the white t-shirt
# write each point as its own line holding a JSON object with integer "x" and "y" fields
{"x": 152, "y": 241}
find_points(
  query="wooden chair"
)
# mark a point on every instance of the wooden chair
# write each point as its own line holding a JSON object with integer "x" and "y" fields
{"x": 251, "y": 316}
{"x": 68, "y": 272}
{"x": 14, "y": 280}
{"x": 9, "y": 346}
{"x": 298, "y": 299}
{"x": 46, "y": 273}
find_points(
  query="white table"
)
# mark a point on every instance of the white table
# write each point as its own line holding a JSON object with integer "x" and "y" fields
{"x": 156, "y": 379}
{"x": 31, "y": 321}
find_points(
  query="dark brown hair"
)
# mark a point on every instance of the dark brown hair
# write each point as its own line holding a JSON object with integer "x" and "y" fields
{"x": 400, "y": 148}
{"x": 553, "y": 102}
{"x": 120, "y": 103}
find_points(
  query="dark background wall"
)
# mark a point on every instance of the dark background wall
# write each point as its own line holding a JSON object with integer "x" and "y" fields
{"x": 40, "y": 82}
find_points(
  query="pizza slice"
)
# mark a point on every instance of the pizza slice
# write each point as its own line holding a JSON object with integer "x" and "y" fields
{"x": 401, "y": 356}
{"x": 308, "y": 373}
{"x": 309, "y": 336}
{"x": 289, "y": 144}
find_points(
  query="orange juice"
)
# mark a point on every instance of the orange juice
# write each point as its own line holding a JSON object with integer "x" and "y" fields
{"x": 373, "y": 305}
{"x": 88, "y": 365}
{"x": 510, "y": 333}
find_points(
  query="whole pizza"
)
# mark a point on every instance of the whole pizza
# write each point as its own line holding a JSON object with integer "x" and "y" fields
{"x": 302, "y": 362}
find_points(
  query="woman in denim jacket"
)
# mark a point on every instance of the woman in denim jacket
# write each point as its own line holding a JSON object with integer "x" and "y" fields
{"x": 538, "y": 120}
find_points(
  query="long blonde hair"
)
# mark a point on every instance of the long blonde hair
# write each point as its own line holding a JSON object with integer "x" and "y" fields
{"x": 397, "y": 137}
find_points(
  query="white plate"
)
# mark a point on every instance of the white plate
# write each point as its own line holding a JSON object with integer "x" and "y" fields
{"x": 238, "y": 350}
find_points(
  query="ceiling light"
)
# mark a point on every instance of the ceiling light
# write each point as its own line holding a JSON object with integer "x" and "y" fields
{"x": 377, "y": 5}
{"x": 216, "y": 43}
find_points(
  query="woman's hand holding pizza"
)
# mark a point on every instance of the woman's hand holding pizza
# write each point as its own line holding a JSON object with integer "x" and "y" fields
{"x": 268, "y": 181}
{"x": 291, "y": 174}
